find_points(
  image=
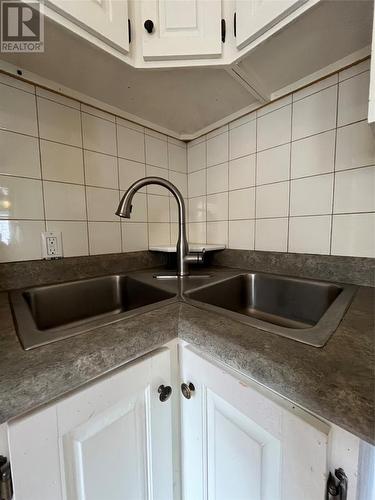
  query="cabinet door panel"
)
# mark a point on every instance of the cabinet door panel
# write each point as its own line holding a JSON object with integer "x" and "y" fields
{"x": 242, "y": 457}
{"x": 107, "y": 19}
{"x": 252, "y": 445}
{"x": 183, "y": 29}
{"x": 110, "y": 440}
{"x": 254, "y": 17}
{"x": 34, "y": 456}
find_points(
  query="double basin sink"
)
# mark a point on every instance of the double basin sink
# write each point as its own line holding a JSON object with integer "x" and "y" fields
{"x": 304, "y": 310}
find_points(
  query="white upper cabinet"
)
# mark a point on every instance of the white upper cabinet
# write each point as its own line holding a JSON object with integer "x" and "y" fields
{"x": 255, "y": 17}
{"x": 105, "y": 19}
{"x": 182, "y": 29}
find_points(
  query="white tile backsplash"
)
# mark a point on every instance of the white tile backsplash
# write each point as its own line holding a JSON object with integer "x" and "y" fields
{"x": 197, "y": 183}
{"x": 217, "y": 233}
{"x": 271, "y": 235}
{"x": 355, "y": 146}
{"x": 242, "y": 204}
{"x": 20, "y": 240}
{"x": 104, "y": 237}
{"x": 355, "y": 191}
{"x": 274, "y": 128}
{"x": 102, "y": 204}
{"x": 64, "y": 201}
{"x": 134, "y": 236}
{"x": 177, "y": 159}
{"x": 242, "y": 172}
{"x": 353, "y": 99}
{"x": 217, "y": 207}
{"x": 241, "y": 234}
{"x": 59, "y": 123}
{"x": 353, "y": 234}
{"x": 131, "y": 144}
{"x": 315, "y": 113}
{"x": 18, "y": 111}
{"x": 20, "y": 198}
{"x": 273, "y": 164}
{"x": 196, "y": 157}
{"x": 152, "y": 171}
{"x": 61, "y": 163}
{"x": 217, "y": 149}
{"x": 242, "y": 140}
{"x": 156, "y": 152}
{"x": 129, "y": 172}
{"x": 271, "y": 180}
{"x": 311, "y": 195}
{"x": 98, "y": 134}
{"x": 64, "y": 166}
{"x": 197, "y": 209}
{"x": 313, "y": 155}
{"x": 272, "y": 200}
{"x": 101, "y": 170}
{"x": 74, "y": 236}
{"x": 217, "y": 179}
{"x": 299, "y": 160}
{"x": 14, "y": 149}
{"x": 310, "y": 234}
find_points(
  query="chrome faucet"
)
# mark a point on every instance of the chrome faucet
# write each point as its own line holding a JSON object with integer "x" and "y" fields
{"x": 183, "y": 254}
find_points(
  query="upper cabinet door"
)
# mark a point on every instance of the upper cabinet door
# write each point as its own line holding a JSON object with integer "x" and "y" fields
{"x": 254, "y": 17}
{"x": 182, "y": 29}
{"x": 106, "y": 19}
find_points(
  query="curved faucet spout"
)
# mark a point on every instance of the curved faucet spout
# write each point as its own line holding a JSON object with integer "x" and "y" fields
{"x": 125, "y": 207}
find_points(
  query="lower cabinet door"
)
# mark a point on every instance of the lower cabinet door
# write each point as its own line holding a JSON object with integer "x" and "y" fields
{"x": 241, "y": 442}
{"x": 109, "y": 441}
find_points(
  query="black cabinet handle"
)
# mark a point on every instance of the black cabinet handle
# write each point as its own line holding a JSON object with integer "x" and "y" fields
{"x": 165, "y": 392}
{"x": 149, "y": 26}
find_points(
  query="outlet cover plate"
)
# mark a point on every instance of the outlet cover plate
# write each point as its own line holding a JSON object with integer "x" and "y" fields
{"x": 51, "y": 245}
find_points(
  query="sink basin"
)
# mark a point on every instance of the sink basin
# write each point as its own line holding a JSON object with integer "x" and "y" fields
{"x": 304, "y": 310}
{"x": 48, "y": 313}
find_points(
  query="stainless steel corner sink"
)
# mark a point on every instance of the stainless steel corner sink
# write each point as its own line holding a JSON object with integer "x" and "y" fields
{"x": 48, "y": 313}
{"x": 304, "y": 310}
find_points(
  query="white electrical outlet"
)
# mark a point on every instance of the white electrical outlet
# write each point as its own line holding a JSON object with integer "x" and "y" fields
{"x": 51, "y": 245}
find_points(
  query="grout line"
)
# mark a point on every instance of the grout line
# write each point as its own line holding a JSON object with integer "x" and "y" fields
{"x": 334, "y": 172}
{"x": 118, "y": 186}
{"x": 256, "y": 179}
{"x": 85, "y": 187}
{"x": 40, "y": 165}
{"x": 290, "y": 179}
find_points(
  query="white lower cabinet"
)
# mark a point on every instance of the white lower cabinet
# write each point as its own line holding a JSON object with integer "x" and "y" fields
{"x": 238, "y": 444}
{"x": 109, "y": 441}
{"x": 232, "y": 440}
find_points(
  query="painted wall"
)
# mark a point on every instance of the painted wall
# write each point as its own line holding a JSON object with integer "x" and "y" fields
{"x": 298, "y": 175}
{"x": 64, "y": 166}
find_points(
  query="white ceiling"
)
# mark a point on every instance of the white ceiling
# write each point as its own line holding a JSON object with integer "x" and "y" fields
{"x": 188, "y": 100}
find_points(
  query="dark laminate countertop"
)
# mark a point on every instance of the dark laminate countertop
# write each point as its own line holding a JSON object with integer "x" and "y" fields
{"x": 335, "y": 382}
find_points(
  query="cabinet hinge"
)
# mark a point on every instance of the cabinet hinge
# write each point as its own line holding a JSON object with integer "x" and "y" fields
{"x": 223, "y": 30}
{"x": 6, "y": 487}
{"x": 337, "y": 486}
{"x": 130, "y": 37}
{"x": 235, "y": 24}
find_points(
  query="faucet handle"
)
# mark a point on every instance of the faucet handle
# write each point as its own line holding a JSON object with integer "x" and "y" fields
{"x": 195, "y": 257}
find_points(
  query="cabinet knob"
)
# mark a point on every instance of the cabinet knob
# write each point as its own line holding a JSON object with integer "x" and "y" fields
{"x": 149, "y": 26}
{"x": 165, "y": 392}
{"x": 187, "y": 390}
